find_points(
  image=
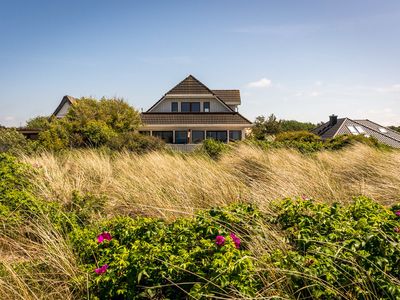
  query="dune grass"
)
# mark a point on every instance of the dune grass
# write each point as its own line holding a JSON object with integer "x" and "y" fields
{"x": 170, "y": 185}
{"x": 166, "y": 185}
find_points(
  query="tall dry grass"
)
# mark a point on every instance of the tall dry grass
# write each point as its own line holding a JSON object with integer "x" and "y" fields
{"x": 166, "y": 185}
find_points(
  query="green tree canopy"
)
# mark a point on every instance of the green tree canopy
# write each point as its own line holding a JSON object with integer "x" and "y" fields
{"x": 264, "y": 127}
{"x": 39, "y": 122}
{"x": 90, "y": 123}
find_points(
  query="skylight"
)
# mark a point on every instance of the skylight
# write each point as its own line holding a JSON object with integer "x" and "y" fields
{"x": 352, "y": 129}
{"x": 360, "y": 129}
{"x": 383, "y": 130}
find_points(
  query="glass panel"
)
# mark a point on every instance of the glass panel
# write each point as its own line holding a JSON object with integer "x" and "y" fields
{"x": 185, "y": 107}
{"x": 206, "y": 106}
{"x": 174, "y": 106}
{"x": 195, "y": 107}
{"x": 197, "y": 136}
{"x": 166, "y": 136}
{"x": 360, "y": 129}
{"x": 235, "y": 135}
{"x": 181, "y": 137}
{"x": 383, "y": 130}
{"x": 352, "y": 129}
{"x": 146, "y": 132}
{"x": 217, "y": 135}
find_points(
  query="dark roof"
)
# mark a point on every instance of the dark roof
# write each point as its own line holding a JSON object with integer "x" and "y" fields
{"x": 228, "y": 96}
{"x": 326, "y": 131}
{"x": 193, "y": 118}
{"x": 71, "y": 100}
{"x": 189, "y": 86}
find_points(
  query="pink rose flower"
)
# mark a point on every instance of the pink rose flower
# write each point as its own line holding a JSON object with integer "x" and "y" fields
{"x": 101, "y": 270}
{"x": 104, "y": 236}
{"x": 396, "y": 229}
{"x": 220, "y": 240}
{"x": 235, "y": 240}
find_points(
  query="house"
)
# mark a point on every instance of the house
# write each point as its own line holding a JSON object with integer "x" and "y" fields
{"x": 335, "y": 127}
{"x": 191, "y": 112}
{"x": 63, "y": 107}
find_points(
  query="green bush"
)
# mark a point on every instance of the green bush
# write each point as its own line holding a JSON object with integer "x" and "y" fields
{"x": 345, "y": 140}
{"x": 135, "y": 142}
{"x": 340, "y": 251}
{"x": 13, "y": 142}
{"x": 214, "y": 148}
{"x": 149, "y": 258}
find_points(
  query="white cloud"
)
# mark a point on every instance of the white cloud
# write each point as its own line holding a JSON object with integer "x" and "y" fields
{"x": 9, "y": 118}
{"x": 262, "y": 83}
{"x": 389, "y": 89}
{"x": 315, "y": 94}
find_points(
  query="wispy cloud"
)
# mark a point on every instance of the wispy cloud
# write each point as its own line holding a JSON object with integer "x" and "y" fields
{"x": 389, "y": 89}
{"x": 262, "y": 83}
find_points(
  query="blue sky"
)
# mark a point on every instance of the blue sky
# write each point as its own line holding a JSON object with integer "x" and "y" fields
{"x": 301, "y": 60}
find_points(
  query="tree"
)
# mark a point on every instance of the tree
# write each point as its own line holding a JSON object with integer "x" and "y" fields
{"x": 90, "y": 123}
{"x": 39, "y": 122}
{"x": 263, "y": 127}
{"x": 395, "y": 128}
{"x": 293, "y": 125}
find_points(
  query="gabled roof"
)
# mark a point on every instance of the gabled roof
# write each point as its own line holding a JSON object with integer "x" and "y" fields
{"x": 190, "y": 86}
{"x": 232, "y": 118}
{"x": 326, "y": 131}
{"x": 228, "y": 96}
{"x": 66, "y": 99}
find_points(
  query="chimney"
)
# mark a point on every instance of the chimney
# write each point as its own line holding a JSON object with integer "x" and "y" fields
{"x": 332, "y": 120}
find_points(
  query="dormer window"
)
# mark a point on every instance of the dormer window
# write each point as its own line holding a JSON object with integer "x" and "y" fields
{"x": 190, "y": 107}
{"x": 174, "y": 106}
{"x": 206, "y": 106}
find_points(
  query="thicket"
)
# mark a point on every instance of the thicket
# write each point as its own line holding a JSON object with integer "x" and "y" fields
{"x": 323, "y": 251}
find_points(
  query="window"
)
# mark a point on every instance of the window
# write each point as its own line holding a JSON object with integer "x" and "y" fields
{"x": 145, "y": 132}
{"x": 206, "y": 106}
{"x": 217, "y": 135}
{"x": 383, "y": 130}
{"x": 197, "y": 136}
{"x": 360, "y": 129}
{"x": 352, "y": 129}
{"x": 174, "y": 106}
{"x": 235, "y": 135}
{"x": 166, "y": 136}
{"x": 181, "y": 137}
{"x": 190, "y": 107}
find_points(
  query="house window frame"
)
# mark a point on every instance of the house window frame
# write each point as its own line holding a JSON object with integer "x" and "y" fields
{"x": 174, "y": 105}
{"x": 197, "y": 141}
{"x": 209, "y": 134}
{"x": 231, "y": 132}
{"x": 206, "y": 106}
{"x": 190, "y": 106}
{"x": 184, "y": 139}
{"x": 168, "y": 140}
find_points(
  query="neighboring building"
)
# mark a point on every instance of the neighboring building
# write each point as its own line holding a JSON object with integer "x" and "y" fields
{"x": 191, "y": 112}
{"x": 336, "y": 127}
{"x": 63, "y": 107}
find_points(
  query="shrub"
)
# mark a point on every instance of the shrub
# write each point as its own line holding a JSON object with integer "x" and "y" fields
{"x": 13, "y": 142}
{"x": 340, "y": 250}
{"x": 135, "y": 142}
{"x": 39, "y": 122}
{"x": 214, "y": 148}
{"x": 148, "y": 258}
{"x": 342, "y": 141}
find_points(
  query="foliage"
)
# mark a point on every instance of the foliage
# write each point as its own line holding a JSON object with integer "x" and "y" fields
{"x": 264, "y": 127}
{"x": 340, "y": 251}
{"x": 214, "y": 148}
{"x": 149, "y": 258}
{"x": 293, "y": 125}
{"x": 92, "y": 123}
{"x": 39, "y": 122}
{"x": 306, "y": 142}
{"x": 135, "y": 142}
{"x": 13, "y": 142}
{"x": 395, "y": 128}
